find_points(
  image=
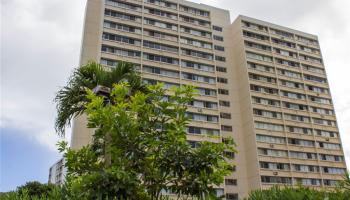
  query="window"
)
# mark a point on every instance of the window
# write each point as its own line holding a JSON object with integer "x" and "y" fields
{"x": 196, "y": 43}
{"x": 160, "y": 71}
{"x": 326, "y": 145}
{"x": 270, "y": 139}
{"x": 268, "y": 126}
{"x": 159, "y": 35}
{"x": 120, "y": 52}
{"x": 199, "y": 66}
{"x": 313, "y": 69}
{"x": 121, "y": 27}
{"x": 261, "y": 57}
{"x": 324, "y": 122}
{"x": 122, "y": 16}
{"x": 221, "y": 69}
{"x": 254, "y": 26}
{"x": 299, "y": 130}
{"x": 315, "y": 78}
{"x": 325, "y": 133}
{"x": 206, "y": 92}
{"x": 158, "y": 58}
{"x": 198, "y": 54}
{"x": 283, "y": 43}
{"x": 226, "y": 128}
{"x": 274, "y": 166}
{"x": 330, "y": 182}
{"x": 202, "y": 131}
{"x": 305, "y": 168}
{"x": 317, "y": 89}
{"x": 331, "y": 158}
{"x": 230, "y": 181}
{"x": 195, "y": 21}
{"x": 255, "y": 36}
{"x": 223, "y": 91}
{"x": 160, "y": 24}
{"x": 289, "y": 73}
{"x": 299, "y": 118}
{"x": 203, "y": 104}
{"x": 257, "y": 46}
{"x": 308, "y": 181}
{"x": 260, "y": 67}
{"x": 220, "y": 58}
{"x": 293, "y": 95}
{"x": 231, "y": 196}
{"x": 218, "y": 38}
{"x": 299, "y": 142}
{"x": 287, "y": 63}
{"x": 123, "y": 39}
{"x": 194, "y": 11}
{"x": 302, "y": 155}
{"x": 202, "y": 117}
{"x": 195, "y": 32}
{"x": 282, "y": 33}
{"x": 295, "y": 106}
{"x": 222, "y": 80}
{"x": 265, "y": 113}
{"x": 163, "y": 3}
{"x": 272, "y": 152}
{"x": 217, "y": 28}
{"x": 219, "y": 48}
{"x": 269, "y": 102}
{"x": 333, "y": 170}
{"x": 291, "y": 84}
{"x": 276, "y": 180}
{"x": 194, "y": 77}
{"x": 161, "y": 47}
{"x": 225, "y": 115}
{"x": 307, "y": 40}
{"x": 285, "y": 53}
{"x": 308, "y": 49}
{"x": 224, "y": 103}
{"x": 263, "y": 89}
{"x": 262, "y": 78}
{"x": 161, "y": 13}
{"x": 320, "y": 100}
{"x": 123, "y": 5}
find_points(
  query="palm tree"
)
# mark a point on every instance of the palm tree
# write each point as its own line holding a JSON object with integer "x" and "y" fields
{"x": 71, "y": 99}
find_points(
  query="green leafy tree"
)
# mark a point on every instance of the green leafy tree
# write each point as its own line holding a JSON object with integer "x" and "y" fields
{"x": 72, "y": 98}
{"x": 34, "y": 191}
{"x": 148, "y": 148}
{"x": 36, "y": 188}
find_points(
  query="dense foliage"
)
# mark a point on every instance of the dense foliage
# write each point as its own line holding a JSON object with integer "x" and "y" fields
{"x": 299, "y": 193}
{"x": 34, "y": 191}
{"x": 140, "y": 149}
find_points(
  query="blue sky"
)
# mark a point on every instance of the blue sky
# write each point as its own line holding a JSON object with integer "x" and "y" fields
{"x": 23, "y": 159}
{"x": 40, "y": 45}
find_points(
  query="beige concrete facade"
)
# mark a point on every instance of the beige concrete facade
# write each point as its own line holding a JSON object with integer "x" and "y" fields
{"x": 179, "y": 42}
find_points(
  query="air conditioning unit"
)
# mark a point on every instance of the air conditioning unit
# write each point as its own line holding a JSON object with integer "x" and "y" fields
{"x": 327, "y": 139}
{"x": 275, "y": 173}
{"x": 272, "y": 146}
{"x": 200, "y": 110}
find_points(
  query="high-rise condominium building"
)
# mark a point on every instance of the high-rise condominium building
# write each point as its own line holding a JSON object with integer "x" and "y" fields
{"x": 262, "y": 84}
{"x": 57, "y": 172}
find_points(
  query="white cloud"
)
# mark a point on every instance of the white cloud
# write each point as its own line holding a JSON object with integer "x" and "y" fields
{"x": 40, "y": 45}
